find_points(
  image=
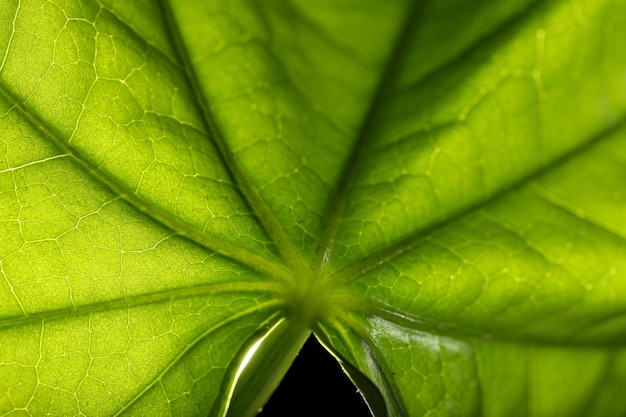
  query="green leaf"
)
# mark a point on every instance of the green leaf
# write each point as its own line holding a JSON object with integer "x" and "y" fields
{"x": 435, "y": 189}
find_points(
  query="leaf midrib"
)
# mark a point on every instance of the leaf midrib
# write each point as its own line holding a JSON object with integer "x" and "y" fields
{"x": 143, "y": 300}
{"x": 409, "y": 242}
{"x": 266, "y": 218}
{"x": 160, "y": 216}
{"x": 338, "y": 201}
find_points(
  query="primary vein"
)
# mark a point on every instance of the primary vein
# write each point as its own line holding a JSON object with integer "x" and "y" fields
{"x": 162, "y": 217}
{"x": 410, "y": 242}
{"x": 147, "y": 299}
{"x": 339, "y": 199}
{"x": 248, "y": 192}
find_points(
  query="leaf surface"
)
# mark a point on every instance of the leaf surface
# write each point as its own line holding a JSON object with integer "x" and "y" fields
{"x": 434, "y": 189}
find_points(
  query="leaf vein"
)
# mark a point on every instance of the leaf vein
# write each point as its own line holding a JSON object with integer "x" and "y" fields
{"x": 578, "y": 212}
{"x": 413, "y": 240}
{"x": 162, "y": 217}
{"x": 250, "y": 195}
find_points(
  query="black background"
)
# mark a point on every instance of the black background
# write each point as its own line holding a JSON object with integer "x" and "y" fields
{"x": 315, "y": 386}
